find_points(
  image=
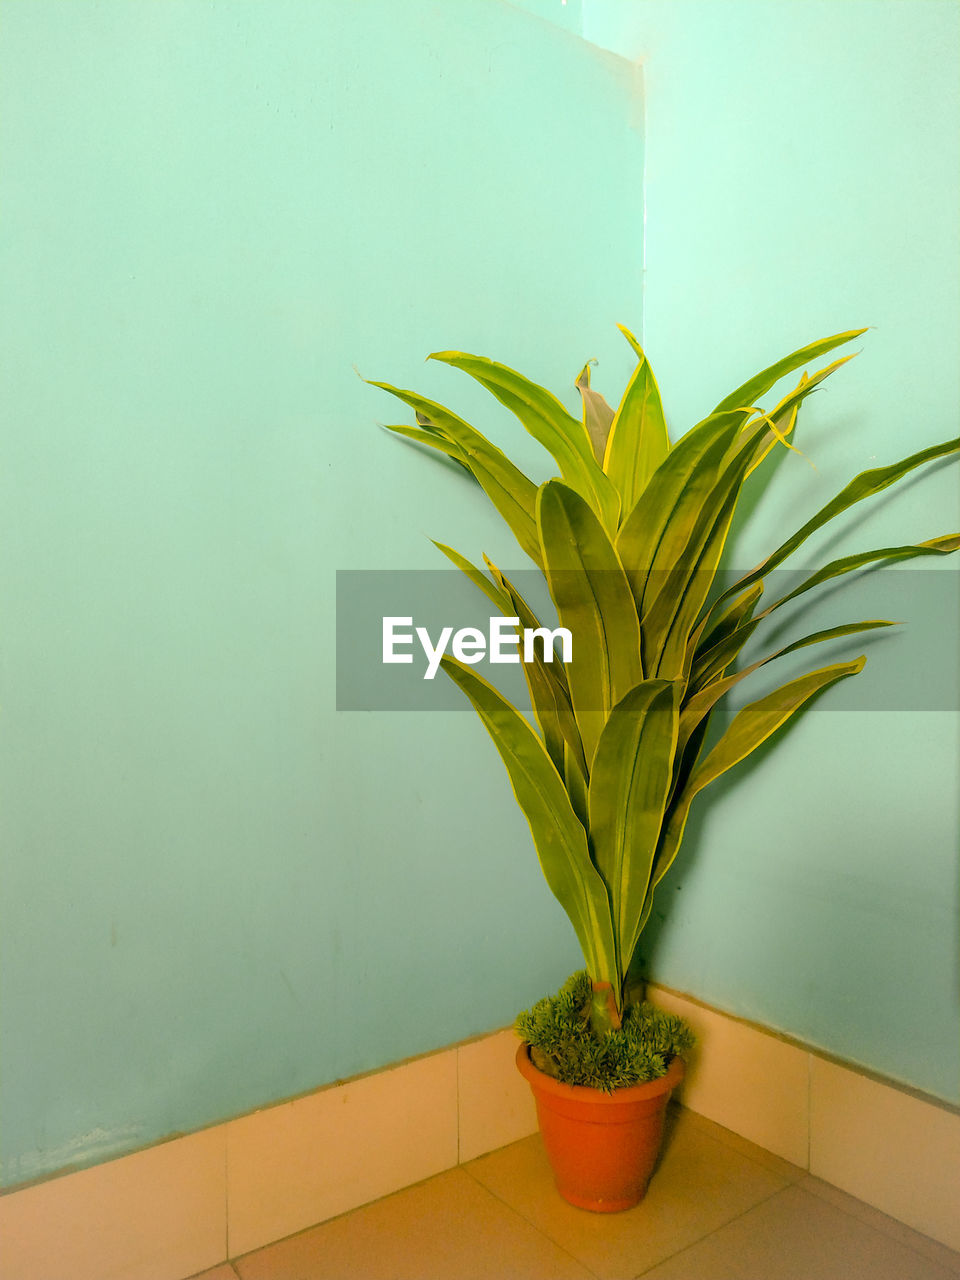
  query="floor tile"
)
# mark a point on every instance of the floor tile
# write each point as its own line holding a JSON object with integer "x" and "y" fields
{"x": 448, "y": 1228}
{"x": 881, "y": 1222}
{"x": 223, "y": 1272}
{"x": 798, "y": 1236}
{"x": 776, "y": 1164}
{"x": 700, "y": 1184}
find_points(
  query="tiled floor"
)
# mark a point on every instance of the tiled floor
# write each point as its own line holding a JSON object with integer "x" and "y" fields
{"x": 718, "y": 1208}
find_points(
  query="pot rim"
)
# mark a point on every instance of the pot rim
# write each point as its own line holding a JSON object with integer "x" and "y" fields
{"x": 584, "y": 1092}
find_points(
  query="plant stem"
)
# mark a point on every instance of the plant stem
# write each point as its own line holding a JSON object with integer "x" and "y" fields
{"x": 604, "y": 1013}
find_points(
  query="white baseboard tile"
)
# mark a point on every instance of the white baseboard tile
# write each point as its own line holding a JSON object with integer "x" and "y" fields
{"x": 304, "y": 1161}
{"x": 496, "y": 1105}
{"x": 743, "y": 1078}
{"x": 898, "y": 1152}
{"x": 892, "y": 1149}
{"x": 159, "y": 1214}
{"x": 183, "y": 1206}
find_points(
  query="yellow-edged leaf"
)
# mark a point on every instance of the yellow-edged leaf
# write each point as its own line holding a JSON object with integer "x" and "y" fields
{"x": 629, "y": 787}
{"x": 542, "y": 414}
{"x": 558, "y": 835}
{"x": 590, "y": 590}
{"x": 750, "y": 727}
{"x": 637, "y": 442}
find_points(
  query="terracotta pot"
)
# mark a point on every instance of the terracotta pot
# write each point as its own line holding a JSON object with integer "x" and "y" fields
{"x": 602, "y": 1147}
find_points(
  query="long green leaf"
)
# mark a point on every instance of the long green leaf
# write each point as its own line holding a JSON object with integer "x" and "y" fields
{"x": 590, "y": 590}
{"x": 575, "y": 782}
{"x": 711, "y": 662}
{"x": 549, "y": 694}
{"x": 749, "y": 728}
{"x": 558, "y": 835}
{"x": 528, "y": 619}
{"x": 942, "y": 546}
{"x": 629, "y": 787}
{"x": 782, "y": 420}
{"x": 681, "y": 588}
{"x": 667, "y": 625}
{"x": 491, "y": 590}
{"x": 655, "y": 535}
{"x": 543, "y": 686}
{"x": 788, "y": 406}
{"x": 511, "y": 492}
{"x": 865, "y": 485}
{"x": 432, "y": 439}
{"x": 705, "y": 699}
{"x": 546, "y": 419}
{"x": 637, "y": 442}
{"x": 728, "y": 621}
{"x": 751, "y": 390}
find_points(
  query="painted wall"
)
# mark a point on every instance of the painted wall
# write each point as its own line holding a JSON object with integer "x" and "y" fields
{"x": 217, "y": 891}
{"x": 801, "y": 179}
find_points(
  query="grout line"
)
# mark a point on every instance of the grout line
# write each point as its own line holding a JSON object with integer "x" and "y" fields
{"x": 809, "y": 1108}
{"x": 889, "y": 1227}
{"x": 226, "y": 1196}
{"x": 815, "y": 1051}
{"x": 344, "y": 1213}
{"x": 716, "y": 1230}
{"x": 523, "y": 1218}
{"x": 457, "y": 1120}
{"x": 732, "y": 1146}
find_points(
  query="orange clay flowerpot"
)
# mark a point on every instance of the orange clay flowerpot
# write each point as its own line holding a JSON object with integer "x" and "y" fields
{"x": 601, "y": 1146}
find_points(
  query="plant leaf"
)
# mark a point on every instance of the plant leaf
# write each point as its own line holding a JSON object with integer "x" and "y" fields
{"x": 510, "y": 491}
{"x": 788, "y": 406}
{"x": 652, "y": 540}
{"x": 593, "y": 600}
{"x": 751, "y": 390}
{"x": 941, "y": 546}
{"x": 729, "y": 620}
{"x": 433, "y": 440}
{"x": 597, "y": 414}
{"x": 666, "y": 624}
{"x": 682, "y": 588}
{"x": 712, "y": 662}
{"x": 479, "y": 579}
{"x": 629, "y": 787}
{"x": 546, "y": 419}
{"x": 638, "y": 440}
{"x": 747, "y": 730}
{"x": 549, "y": 692}
{"x": 865, "y": 485}
{"x": 705, "y": 699}
{"x": 558, "y": 835}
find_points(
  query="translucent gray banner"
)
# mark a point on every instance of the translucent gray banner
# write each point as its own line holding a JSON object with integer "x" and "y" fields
{"x": 392, "y": 626}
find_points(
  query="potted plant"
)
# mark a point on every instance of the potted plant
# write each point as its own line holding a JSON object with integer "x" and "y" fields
{"x": 629, "y": 539}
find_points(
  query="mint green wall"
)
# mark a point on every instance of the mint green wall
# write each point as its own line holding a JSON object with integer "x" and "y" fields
{"x": 217, "y": 891}
{"x": 802, "y": 178}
